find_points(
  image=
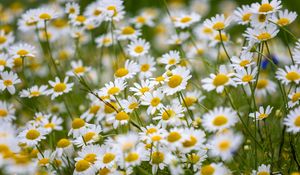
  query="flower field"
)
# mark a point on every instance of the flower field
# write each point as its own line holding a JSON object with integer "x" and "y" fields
{"x": 121, "y": 87}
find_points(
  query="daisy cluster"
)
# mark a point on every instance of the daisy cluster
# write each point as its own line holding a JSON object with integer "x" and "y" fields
{"x": 92, "y": 89}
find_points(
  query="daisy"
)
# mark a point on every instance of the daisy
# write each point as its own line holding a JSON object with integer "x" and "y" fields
{"x": 174, "y": 138}
{"x": 159, "y": 159}
{"x": 214, "y": 169}
{"x": 170, "y": 115}
{"x": 260, "y": 20}
{"x": 262, "y": 114}
{"x": 196, "y": 158}
{"x": 245, "y": 76}
{"x": 259, "y": 35}
{"x": 32, "y": 135}
{"x": 242, "y": 15}
{"x": 130, "y": 104}
{"x": 203, "y": 32}
{"x": 45, "y": 159}
{"x": 262, "y": 169}
{"x": 88, "y": 153}
{"x": 52, "y": 124}
{"x": 266, "y": 7}
{"x": 284, "y": 18}
{"x": 294, "y": 97}
{"x": 219, "y": 81}
{"x": 218, "y": 22}
{"x": 83, "y": 167}
{"x": 7, "y": 112}
{"x": 225, "y": 144}
{"x": 121, "y": 118}
{"x": 104, "y": 40}
{"x": 78, "y": 20}
{"x": 142, "y": 88}
{"x": 59, "y": 88}
{"x": 64, "y": 146}
{"x": 243, "y": 61}
{"x": 138, "y": 47}
{"x": 178, "y": 39}
{"x": 128, "y": 71}
{"x": 113, "y": 9}
{"x": 34, "y": 91}
{"x": 150, "y": 130}
{"x": 78, "y": 125}
{"x": 192, "y": 97}
{"x": 186, "y": 20}
{"x": 292, "y": 121}
{"x": 89, "y": 135}
{"x": 177, "y": 81}
{"x": 265, "y": 86}
{"x": 113, "y": 88}
{"x": 21, "y": 50}
{"x": 107, "y": 157}
{"x": 5, "y": 61}
{"x": 146, "y": 66}
{"x": 93, "y": 111}
{"x": 135, "y": 156}
{"x": 194, "y": 139}
{"x": 5, "y": 39}
{"x": 9, "y": 79}
{"x": 290, "y": 74}
{"x": 171, "y": 58}
{"x": 46, "y": 14}
{"x": 72, "y": 8}
{"x": 219, "y": 118}
{"x": 153, "y": 101}
{"x": 219, "y": 37}
{"x": 142, "y": 20}
{"x": 78, "y": 69}
{"x": 95, "y": 12}
{"x": 28, "y": 21}
{"x": 128, "y": 33}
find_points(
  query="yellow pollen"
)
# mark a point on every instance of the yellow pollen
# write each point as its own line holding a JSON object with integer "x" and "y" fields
{"x": 207, "y": 170}
{"x": 144, "y": 89}
{"x": 59, "y": 87}
{"x": 292, "y": 76}
{"x": 224, "y": 145}
{"x": 133, "y": 105}
{"x": 94, "y": 109}
{"x": 35, "y": 93}
{"x": 246, "y": 17}
{"x": 78, "y": 123}
{"x": 207, "y": 30}
{"x": 108, "y": 157}
{"x": 62, "y": 143}
{"x": 185, "y": 19}
{"x": 44, "y": 161}
{"x": 104, "y": 171}
{"x": 3, "y": 113}
{"x": 220, "y": 120}
{"x": 244, "y": 63}
{"x": 157, "y": 157}
{"x": 97, "y": 12}
{"x": 265, "y": 7}
{"x": 113, "y": 90}
{"x": 7, "y": 82}
{"x": 2, "y": 62}
{"x": 45, "y": 16}
{"x": 220, "y": 80}
{"x": 159, "y": 79}
{"x": 174, "y": 81}
{"x": 131, "y": 157}
{"x": 167, "y": 114}
{"x": 193, "y": 158}
{"x": 80, "y": 18}
{"x": 172, "y": 61}
{"x": 128, "y": 30}
{"x": 151, "y": 130}
{"x": 22, "y": 52}
{"x": 263, "y": 173}
{"x": 32, "y": 134}
{"x": 247, "y": 78}
{"x": 141, "y": 19}
{"x": 145, "y": 67}
{"x": 283, "y": 21}
{"x": 121, "y": 72}
{"x": 79, "y": 69}
{"x": 49, "y": 125}
{"x": 82, "y": 165}
{"x": 18, "y": 62}
{"x": 262, "y": 83}
{"x": 139, "y": 49}
{"x": 88, "y": 136}
{"x": 190, "y": 142}
{"x": 173, "y": 136}
{"x": 113, "y": 8}
{"x": 295, "y": 98}
{"x": 262, "y": 18}
{"x": 156, "y": 138}
{"x": 264, "y": 36}
{"x": 2, "y": 39}
{"x": 218, "y": 26}
{"x": 218, "y": 38}
{"x": 155, "y": 101}
{"x": 122, "y": 116}
{"x": 189, "y": 101}
{"x": 90, "y": 157}
{"x": 262, "y": 116}
{"x": 297, "y": 121}
{"x": 108, "y": 109}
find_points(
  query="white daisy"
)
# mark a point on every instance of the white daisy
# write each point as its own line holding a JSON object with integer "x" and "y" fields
{"x": 284, "y": 18}
{"x": 186, "y": 20}
{"x": 242, "y": 15}
{"x": 22, "y": 50}
{"x": 128, "y": 71}
{"x": 171, "y": 58}
{"x": 146, "y": 66}
{"x": 59, "y": 88}
{"x": 292, "y": 121}
{"x": 8, "y": 80}
{"x": 153, "y": 101}
{"x": 113, "y": 88}
{"x": 261, "y": 34}
{"x": 32, "y": 135}
{"x": 245, "y": 76}
{"x": 262, "y": 114}
{"x": 78, "y": 69}
{"x": 266, "y": 6}
{"x": 34, "y": 91}
{"x": 262, "y": 169}
{"x": 5, "y": 39}
{"x": 7, "y": 112}
{"x": 294, "y": 97}
{"x": 138, "y": 47}
{"x": 5, "y": 61}
{"x": 290, "y": 74}
{"x": 128, "y": 33}
{"x": 218, "y": 22}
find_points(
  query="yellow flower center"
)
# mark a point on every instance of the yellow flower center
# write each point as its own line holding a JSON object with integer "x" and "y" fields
{"x": 262, "y": 83}
{"x": 131, "y": 157}
{"x": 80, "y": 18}
{"x": 174, "y": 81}
{"x": 62, "y": 143}
{"x": 244, "y": 63}
{"x": 97, "y": 12}
{"x": 156, "y": 138}
{"x": 220, "y": 120}
{"x": 151, "y": 130}
{"x": 32, "y": 134}
{"x": 157, "y": 157}
{"x": 218, "y": 26}
{"x": 3, "y": 113}
{"x": 190, "y": 142}
{"x": 223, "y": 37}
{"x": 189, "y": 101}
{"x": 193, "y": 158}
{"x": 263, "y": 36}
{"x": 297, "y": 121}
{"x": 35, "y": 93}
{"x": 59, "y": 87}
{"x": 2, "y": 39}
{"x": 44, "y": 161}
{"x": 185, "y": 19}
{"x": 167, "y": 114}
{"x": 141, "y": 19}
{"x": 139, "y": 49}
{"x": 78, "y": 123}
{"x": 79, "y": 69}
{"x": 263, "y": 173}
{"x": 247, "y": 78}
{"x": 155, "y": 101}
{"x": 90, "y": 157}
{"x": 207, "y": 170}
{"x": 295, "y": 97}
{"x": 122, "y": 116}
{"x": 113, "y": 90}
{"x": 207, "y": 30}
{"x": 45, "y": 16}
{"x": 145, "y": 67}
{"x": 246, "y": 17}
{"x": 121, "y": 72}
{"x": 172, "y": 61}
{"x": 94, "y": 109}
{"x": 159, "y": 79}
{"x": 224, "y": 145}
{"x": 128, "y": 30}
{"x": 49, "y": 125}
{"x": 262, "y": 116}
{"x": 7, "y": 82}
{"x": 262, "y": 18}
{"x": 133, "y": 105}
{"x": 108, "y": 109}
{"x": 114, "y": 9}
{"x": 88, "y": 136}
{"x": 173, "y": 136}
{"x": 144, "y": 89}
{"x": 283, "y": 21}
{"x": 104, "y": 171}
{"x": 2, "y": 62}
{"x": 82, "y": 165}
{"x": 265, "y": 7}
{"x": 220, "y": 80}
{"x": 18, "y": 62}
{"x": 22, "y": 52}
{"x": 108, "y": 157}
{"x": 292, "y": 76}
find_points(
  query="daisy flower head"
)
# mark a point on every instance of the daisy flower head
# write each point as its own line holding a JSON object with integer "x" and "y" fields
{"x": 78, "y": 20}
{"x": 128, "y": 71}
{"x": 5, "y": 39}
{"x": 104, "y": 40}
{"x": 290, "y": 74}
{"x": 130, "y": 104}
{"x": 34, "y": 91}
{"x": 177, "y": 80}
{"x": 260, "y": 20}
{"x": 142, "y": 19}
{"x": 45, "y": 159}
{"x": 78, "y": 69}
{"x": 59, "y": 88}
{"x": 262, "y": 169}
{"x": 120, "y": 118}
{"x": 242, "y": 15}
{"x": 214, "y": 169}
{"x": 5, "y": 61}
{"x": 32, "y": 135}
{"x": 89, "y": 154}
{"x": 243, "y": 61}
{"x": 264, "y": 87}
{"x": 224, "y": 145}
{"x": 292, "y": 121}
{"x": 171, "y": 58}
{"x": 266, "y": 6}
{"x": 174, "y": 138}
{"x": 159, "y": 159}
{"x": 83, "y": 167}
{"x": 152, "y": 100}
{"x": 258, "y": 35}
{"x": 113, "y": 9}
{"x": 72, "y": 8}
{"x": 128, "y": 33}
{"x": 218, "y": 22}
{"x": 8, "y": 81}
{"x": 21, "y": 50}
{"x": 28, "y": 21}
{"x": 94, "y": 11}
{"x": 46, "y": 13}
{"x": 138, "y": 47}
{"x": 203, "y": 32}
{"x": 245, "y": 76}
{"x": 52, "y": 123}
{"x": 294, "y": 97}
{"x": 78, "y": 125}
{"x": 262, "y": 113}
{"x": 114, "y": 87}
{"x": 284, "y": 17}
{"x": 170, "y": 115}
{"x": 178, "y": 39}
{"x": 186, "y": 20}
{"x": 7, "y": 112}
{"x": 193, "y": 97}
{"x": 64, "y": 147}
{"x": 146, "y": 66}
{"x": 219, "y": 37}
{"x": 135, "y": 157}
{"x": 194, "y": 139}
{"x": 107, "y": 157}
{"x": 219, "y": 81}
{"x": 142, "y": 88}
{"x": 219, "y": 118}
